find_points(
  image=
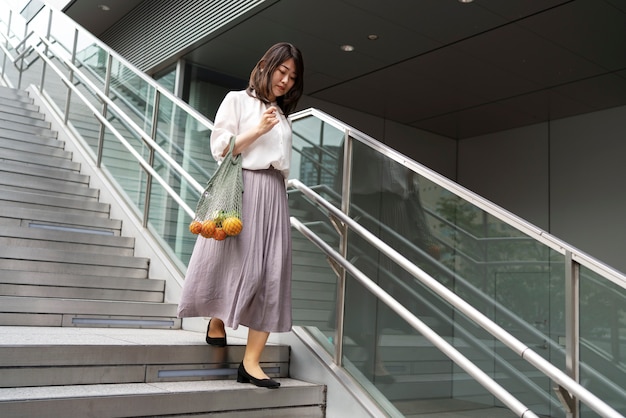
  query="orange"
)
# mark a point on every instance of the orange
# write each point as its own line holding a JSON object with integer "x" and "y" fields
{"x": 219, "y": 234}
{"x": 208, "y": 229}
{"x": 232, "y": 225}
{"x": 195, "y": 227}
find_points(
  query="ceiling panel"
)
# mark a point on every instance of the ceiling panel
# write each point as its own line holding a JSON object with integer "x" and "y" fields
{"x": 592, "y": 29}
{"x": 530, "y": 56}
{"x": 453, "y": 69}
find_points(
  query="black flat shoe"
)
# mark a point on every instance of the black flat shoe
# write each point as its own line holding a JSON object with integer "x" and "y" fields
{"x": 217, "y": 342}
{"x": 244, "y": 377}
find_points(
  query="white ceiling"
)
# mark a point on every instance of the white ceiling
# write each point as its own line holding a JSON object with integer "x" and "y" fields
{"x": 458, "y": 70}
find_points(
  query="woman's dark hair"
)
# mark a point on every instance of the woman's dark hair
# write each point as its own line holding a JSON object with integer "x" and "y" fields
{"x": 261, "y": 76}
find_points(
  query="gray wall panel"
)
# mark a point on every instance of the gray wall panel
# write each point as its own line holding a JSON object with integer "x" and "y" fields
{"x": 566, "y": 177}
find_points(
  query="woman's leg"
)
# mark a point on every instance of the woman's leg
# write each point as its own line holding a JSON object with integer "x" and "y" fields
{"x": 252, "y": 355}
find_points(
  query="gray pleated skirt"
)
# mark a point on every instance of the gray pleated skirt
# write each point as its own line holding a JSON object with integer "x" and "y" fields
{"x": 246, "y": 280}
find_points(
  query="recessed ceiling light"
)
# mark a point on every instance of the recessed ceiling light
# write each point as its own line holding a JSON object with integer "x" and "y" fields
{"x": 347, "y": 48}
{"x": 372, "y": 37}
{"x": 465, "y": 1}
{"x": 104, "y": 7}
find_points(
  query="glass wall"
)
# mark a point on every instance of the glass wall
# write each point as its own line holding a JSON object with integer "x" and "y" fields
{"x": 511, "y": 278}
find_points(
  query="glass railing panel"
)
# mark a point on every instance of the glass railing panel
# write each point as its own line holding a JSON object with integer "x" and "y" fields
{"x": 123, "y": 167}
{"x": 133, "y": 94}
{"x": 91, "y": 59}
{"x": 603, "y": 340}
{"x": 317, "y": 154}
{"x": 491, "y": 265}
{"x": 315, "y": 162}
{"x": 167, "y": 220}
{"x": 314, "y": 284}
{"x": 187, "y": 142}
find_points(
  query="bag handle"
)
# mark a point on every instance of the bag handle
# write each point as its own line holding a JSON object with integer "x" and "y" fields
{"x": 234, "y": 159}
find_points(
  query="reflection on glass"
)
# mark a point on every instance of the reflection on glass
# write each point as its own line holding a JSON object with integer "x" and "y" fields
{"x": 314, "y": 161}
{"x": 603, "y": 340}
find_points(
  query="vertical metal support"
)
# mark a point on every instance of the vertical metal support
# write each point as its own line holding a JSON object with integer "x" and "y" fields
{"x": 107, "y": 83}
{"x": 572, "y": 326}
{"x": 4, "y": 60}
{"x": 180, "y": 78}
{"x": 153, "y": 136}
{"x": 346, "y": 184}
{"x": 68, "y": 98}
{"x": 21, "y": 69}
{"x": 44, "y": 66}
{"x": 320, "y": 154}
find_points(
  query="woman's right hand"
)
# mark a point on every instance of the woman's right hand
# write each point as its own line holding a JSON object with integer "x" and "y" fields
{"x": 268, "y": 120}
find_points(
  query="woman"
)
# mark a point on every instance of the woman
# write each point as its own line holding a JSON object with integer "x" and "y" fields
{"x": 247, "y": 279}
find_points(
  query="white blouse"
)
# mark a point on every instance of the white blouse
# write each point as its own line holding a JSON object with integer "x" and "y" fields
{"x": 240, "y": 112}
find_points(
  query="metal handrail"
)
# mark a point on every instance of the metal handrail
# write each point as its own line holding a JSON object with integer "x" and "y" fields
{"x": 144, "y": 164}
{"x": 535, "y": 232}
{"x": 526, "y": 353}
{"x": 112, "y": 105}
{"x": 459, "y": 359}
{"x": 479, "y": 294}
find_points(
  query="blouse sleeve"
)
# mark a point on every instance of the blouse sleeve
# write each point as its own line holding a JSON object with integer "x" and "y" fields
{"x": 226, "y": 125}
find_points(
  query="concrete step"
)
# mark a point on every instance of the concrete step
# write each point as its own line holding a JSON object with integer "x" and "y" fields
{"x": 66, "y": 241}
{"x": 85, "y": 281}
{"x": 42, "y": 173}
{"x": 46, "y": 187}
{"x": 68, "y": 205}
{"x": 77, "y": 291}
{"x": 6, "y": 135}
{"x": 100, "y": 355}
{"x": 27, "y": 120}
{"x": 21, "y": 108}
{"x": 180, "y": 399}
{"x": 34, "y": 129}
{"x": 34, "y": 145}
{"x": 15, "y": 97}
{"x": 101, "y": 264}
{"x": 38, "y": 218}
{"x": 122, "y": 372}
{"x": 38, "y": 160}
{"x": 34, "y": 311}
{"x": 74, "y": 286}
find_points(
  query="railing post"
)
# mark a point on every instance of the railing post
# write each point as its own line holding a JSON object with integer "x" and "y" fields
{"x": 572, "y": 332}
{"x": 68, "y": 98}
{"x": 346, "y": 183}
{"x": 44, "y": 66}
{"x": 107, "y": 83}
{"x": 4, "y": 59}
{"x": 153, "y": 134}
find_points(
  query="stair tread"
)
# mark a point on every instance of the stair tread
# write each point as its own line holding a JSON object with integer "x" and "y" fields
{"x": 45, "y": 279}
{"x": 20, "y": 168}
{"x": 129, "y": 389}
{"x": 13, "y": 336}
{"x": 18, "y": 304}
{"x": 58, "y": 202}
{"x": 52, "y": 217}
{"x": 39, "y": 160}
{"x": 38, "y": 234}
{"x": 72, "y": 257}
{"x": 76, "y": 346}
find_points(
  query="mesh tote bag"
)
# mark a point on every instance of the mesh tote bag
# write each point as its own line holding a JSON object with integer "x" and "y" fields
{"x": 218, "y": 213}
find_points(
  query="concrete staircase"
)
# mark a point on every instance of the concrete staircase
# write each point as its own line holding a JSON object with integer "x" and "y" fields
{"x": 84, "y": 328}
